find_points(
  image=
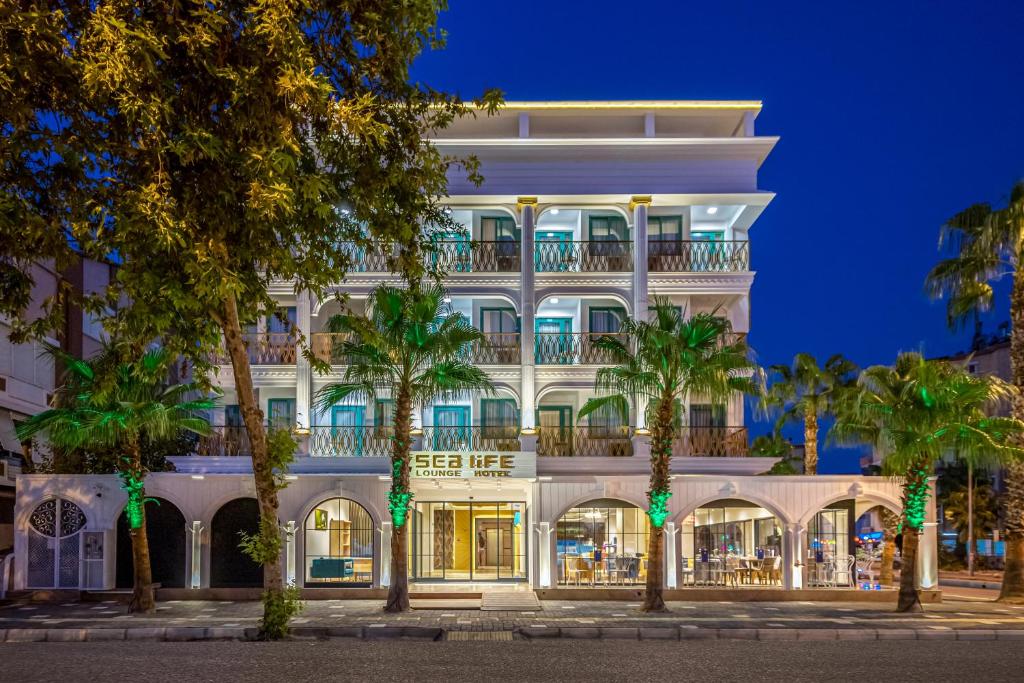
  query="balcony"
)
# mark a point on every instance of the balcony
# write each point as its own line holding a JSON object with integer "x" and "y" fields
{"x": 712, "y": 442}
{"x": 350, "y": 442}
{"x": 263, "y": 348}
{"x": 452, "y": 256}
{"x": 698, "y": 256}
{"x": 500, "y": 439}
{"x": 572, "y": 348}
{"x": 497, "y": 348}
{"x": 584, "y": 441}
{"x": 224, "y": 441}
{"x": 604, "y": 256}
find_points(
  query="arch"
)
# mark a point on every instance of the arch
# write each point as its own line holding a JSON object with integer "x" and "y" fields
{"x": 545, "y": 293}
{"x": 606, "y": 537}
{"x": 889, "y": 502}
{"x": 339, "y": 543}
{"x": 745, "y": 496}
{"x": 577, "y": 385}
{"x": 481, "y": 208}
{"x": 509, "y": 389}
{"x": 613, "y": 208}
{"x": 229, "y": 566}
{"x": 596, "y": 495}
{"x": 75, "y": 496}
{"x": 165, "y": 529}
{"x": 54, "y": 533}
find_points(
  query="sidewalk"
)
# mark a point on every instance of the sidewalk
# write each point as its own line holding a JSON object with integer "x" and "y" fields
{"x": 197, "y": 620}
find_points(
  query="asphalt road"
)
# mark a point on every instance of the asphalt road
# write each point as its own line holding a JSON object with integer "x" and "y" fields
{"x": 467, "y": 662}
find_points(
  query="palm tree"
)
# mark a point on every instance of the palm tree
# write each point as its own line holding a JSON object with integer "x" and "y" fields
{"x": 806, "y": 392}
{"x": 412, "y": 346}
{"x": 775, "y": 445}
{"x": 664, "y": 362}
{"x": 915, "y": 412}
{"x": 124, "y": 406}
{"x": 988, "y": 245}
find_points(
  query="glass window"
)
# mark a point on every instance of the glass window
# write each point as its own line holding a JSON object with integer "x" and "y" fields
{"x": 498, "y": 229}
{"x": 606, "y": 320}
{"x": 602, "y": 542}
{"x": 829, "y": 560}
{"x": 608, "y": 228}
{"x": 339, "y": 544}
{"x": 732, "y": 543}
{"x": 281, "y": 413}
{"x": 460, "y": 541}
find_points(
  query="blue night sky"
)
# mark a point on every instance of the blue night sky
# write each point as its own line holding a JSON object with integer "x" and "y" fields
{"x": 893, "y": 116}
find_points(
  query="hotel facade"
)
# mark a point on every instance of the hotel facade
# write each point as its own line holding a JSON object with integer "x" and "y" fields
{"x": 587, "y": 211}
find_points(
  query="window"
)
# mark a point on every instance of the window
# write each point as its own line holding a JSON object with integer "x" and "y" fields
{"x": 606, "y": 320}
{"x": 664, "y": 235}
{"x": 602, "y": 542}
{"x": 384, "y": 414}
{"x": 339, "y": 544}
{"x": 282, "y": 321}
{"x": 732, "y": 542}
{"x": 281, "y": 413}
{"x": 499, "y": 320}
{"x": 233, "y": 415}
{"x": 828, "y": 546}
{"x": 499, "y": 418}
{"x": 608, "y": 229}
{"x": 704, "y": 415}
{"x": 498, "y": 229}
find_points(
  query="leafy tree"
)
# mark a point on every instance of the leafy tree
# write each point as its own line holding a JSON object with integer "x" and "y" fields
{"x": 914, "y": 413}
{"x": 775, "y": 445}
{"x": 805, "y": 392}
{"x": 987, "y": 245}
{"x": 952, "y": 493}
{"x": 666, "y": 361}
{"x": 136, "y": 405}
{"x": 209, "y": 148}
{"x": 411, "y": 347}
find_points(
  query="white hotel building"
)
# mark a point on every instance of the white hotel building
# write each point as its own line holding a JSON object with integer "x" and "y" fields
{"x": 587, "y": 211}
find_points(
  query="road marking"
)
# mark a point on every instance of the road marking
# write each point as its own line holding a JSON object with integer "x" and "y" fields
{"x": 772, "y": 609}
{"x": 377, "y": 625}
{"x": 620, "y": 615}
{"x": 940, "y": 628}
{"x": 777, "y": 625}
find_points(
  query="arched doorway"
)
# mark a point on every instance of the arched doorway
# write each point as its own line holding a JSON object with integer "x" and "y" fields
{"x": 338, "y": 544}
{"x": 602, "y": 541}
{"x": 229, "y": 566}
{"x": 732, "y": 542}
{"x": 165, "y": 529}
{"x": 60, "y": 553}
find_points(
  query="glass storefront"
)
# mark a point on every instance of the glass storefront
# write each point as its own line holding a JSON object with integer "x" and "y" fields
{"x": 339, "y": 544}
{"x": 602, "y": 542}
{"x": 731, "y": 543}
{"x": 830, "y": 560}
{"x": 468, "y": 541}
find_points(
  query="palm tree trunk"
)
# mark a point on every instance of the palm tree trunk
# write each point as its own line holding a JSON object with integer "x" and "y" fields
{"x": 915, "y": 496}
{"x": 889, "y": 523}
{"x": 143, "y": 595}
{"x": 398, "y": 591}
{"x": 252, "y": 416}
{"x": 1013, "y": 570}
{"x": 661, "y": 455}
{"x": 810, "y": 441}
{"x": 28, "y": 465}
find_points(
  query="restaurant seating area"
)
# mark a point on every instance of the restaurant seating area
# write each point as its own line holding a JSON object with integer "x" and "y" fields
{"x": 732, "y": 571}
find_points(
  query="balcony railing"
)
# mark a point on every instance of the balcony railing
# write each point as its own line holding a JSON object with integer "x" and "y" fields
{"x": 264, "y": 348}
{"x": 327, "y": 346}
{"x": 451, "y": 256}
{"x": 572, "y": 348}
{"x": 583, "y": 257}
{"x": 698, "y": 256}
{"x": 585, "y": 441}
{"x": 349, "y": 442}
{"x": 501, "y": 439}
{"x": 224, "y": 441}
{"x": 497, "y": 348}
{"x": 713, "y": 442}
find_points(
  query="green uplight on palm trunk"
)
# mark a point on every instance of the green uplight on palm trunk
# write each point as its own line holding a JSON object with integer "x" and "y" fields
{"x": 659, "y": 507}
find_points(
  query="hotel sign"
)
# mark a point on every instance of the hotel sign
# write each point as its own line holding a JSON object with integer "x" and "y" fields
{"x": 448, "y": 465}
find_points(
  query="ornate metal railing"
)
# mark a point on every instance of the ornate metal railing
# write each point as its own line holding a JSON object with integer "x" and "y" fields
{"x": 224, "y": 441}
{"x": 454, "y": 256}
{"x": 698, "y": 256}
{"x": 350, "y": 442}
{"x": 264, "y": 348}
{"x": 327, "y": 346}
{"x": 585, "y": 441}
{"x": 572, "y": 348}
{"x": 368, "y": 259}
{"x": 498, "y": 348}
{"x": 501, "y": 439}
{"x": 583, "y": 257}
{"x": 712, "y": 442}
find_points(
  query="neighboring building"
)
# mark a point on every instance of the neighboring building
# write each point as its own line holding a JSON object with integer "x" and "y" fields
{"x": 586, "y": 212}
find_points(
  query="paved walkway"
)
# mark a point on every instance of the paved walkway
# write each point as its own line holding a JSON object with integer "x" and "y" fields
{"x": 953, "y": 614}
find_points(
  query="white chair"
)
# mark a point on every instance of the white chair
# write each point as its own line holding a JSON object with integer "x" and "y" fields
{"x": 843, "y": 574}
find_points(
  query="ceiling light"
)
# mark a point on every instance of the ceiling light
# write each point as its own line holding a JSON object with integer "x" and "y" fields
{"x": 712, "y": 210}
{"x": 197, "y": 476}
{"x": 554, "y": 299}
{"x": 447, "y": 299}
{"x": 554, "y": 212}
{"x": 551, "y": 234}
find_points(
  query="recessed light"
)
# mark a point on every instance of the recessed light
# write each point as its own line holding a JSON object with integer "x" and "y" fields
{"x": 554, "y": 299}
{"x": 551, "y": 234}
{"x": 712, "y": 210}
{"x": 198, "y": 476}
{"x": 447, "y": 299}
{"x": 554, "y": 212}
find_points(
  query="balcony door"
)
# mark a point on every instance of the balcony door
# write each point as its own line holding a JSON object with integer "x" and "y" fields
{"x": 281, "y": 413}
{"x": 554, "y": 250}
{"x": 555, "y": 424}
{"x": 554, "y": 341}
{"x": 452, "y": 250}
{"x": 451, "y": 428}
{"x": 347, "y": 427}
{"x": 606, "y": 319}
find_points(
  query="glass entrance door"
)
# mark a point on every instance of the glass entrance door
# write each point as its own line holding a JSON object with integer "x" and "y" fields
{"x": 467, "y": 541}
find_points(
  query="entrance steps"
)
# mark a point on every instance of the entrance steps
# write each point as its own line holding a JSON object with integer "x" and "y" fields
{"x": 510, "y": 601}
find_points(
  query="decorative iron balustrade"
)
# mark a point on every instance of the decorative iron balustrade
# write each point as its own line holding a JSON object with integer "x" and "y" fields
{"x": 264, "y": 348}
{"x": 572, "y": 348}
{"x": 498, "y": 348}
{"x": 585, "y": 441}
{"x": 454, "y": 256}
{"x": 224, "y": 441}
{"x": 328, "y": 346}
{"x": 712, "y": 442}
{"x": 698, "y": 256}
{"x": 499, "y": 438}
{"x": 350, "y": 442}
{"x": 605, "y": 256}
{"x": 368, "y": 259}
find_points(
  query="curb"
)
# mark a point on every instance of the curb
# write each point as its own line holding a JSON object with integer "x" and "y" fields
{"x": 424, "y": 633}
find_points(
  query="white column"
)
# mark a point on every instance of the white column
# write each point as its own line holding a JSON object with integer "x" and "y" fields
{"x": 544, "y": 553}
{"x": 385, "y": 554}
{"x": 928, "y": 550}
{"x": 289, "y": 553}
{"x": 792, "y": 557}
{"x": 303, "y": 372}
{"x": 195, "y": 554}
{"x": 671, "y": 555}
{"x": 639, "y": 206}
{"x": 527, "y": 208}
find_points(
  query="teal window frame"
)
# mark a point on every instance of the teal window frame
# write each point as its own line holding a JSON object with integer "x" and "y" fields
{"x": 464, "y": 423}
{"x": 620, "y": 229}
{"x": 660, "y": 221}
{"x": 719, "y": 414}
{"x": 360, "y": 432}
{"x": 290, "y": 402}
{"x": 484, "y": 402}
{"x": 505, "y": 226}
{"x": 564, "y": 414}
{"x": 564, "y": 342}
{"x": 499, "y": 309}
{"x": 233, "y": 415}
{"x": 621, "y": 311}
